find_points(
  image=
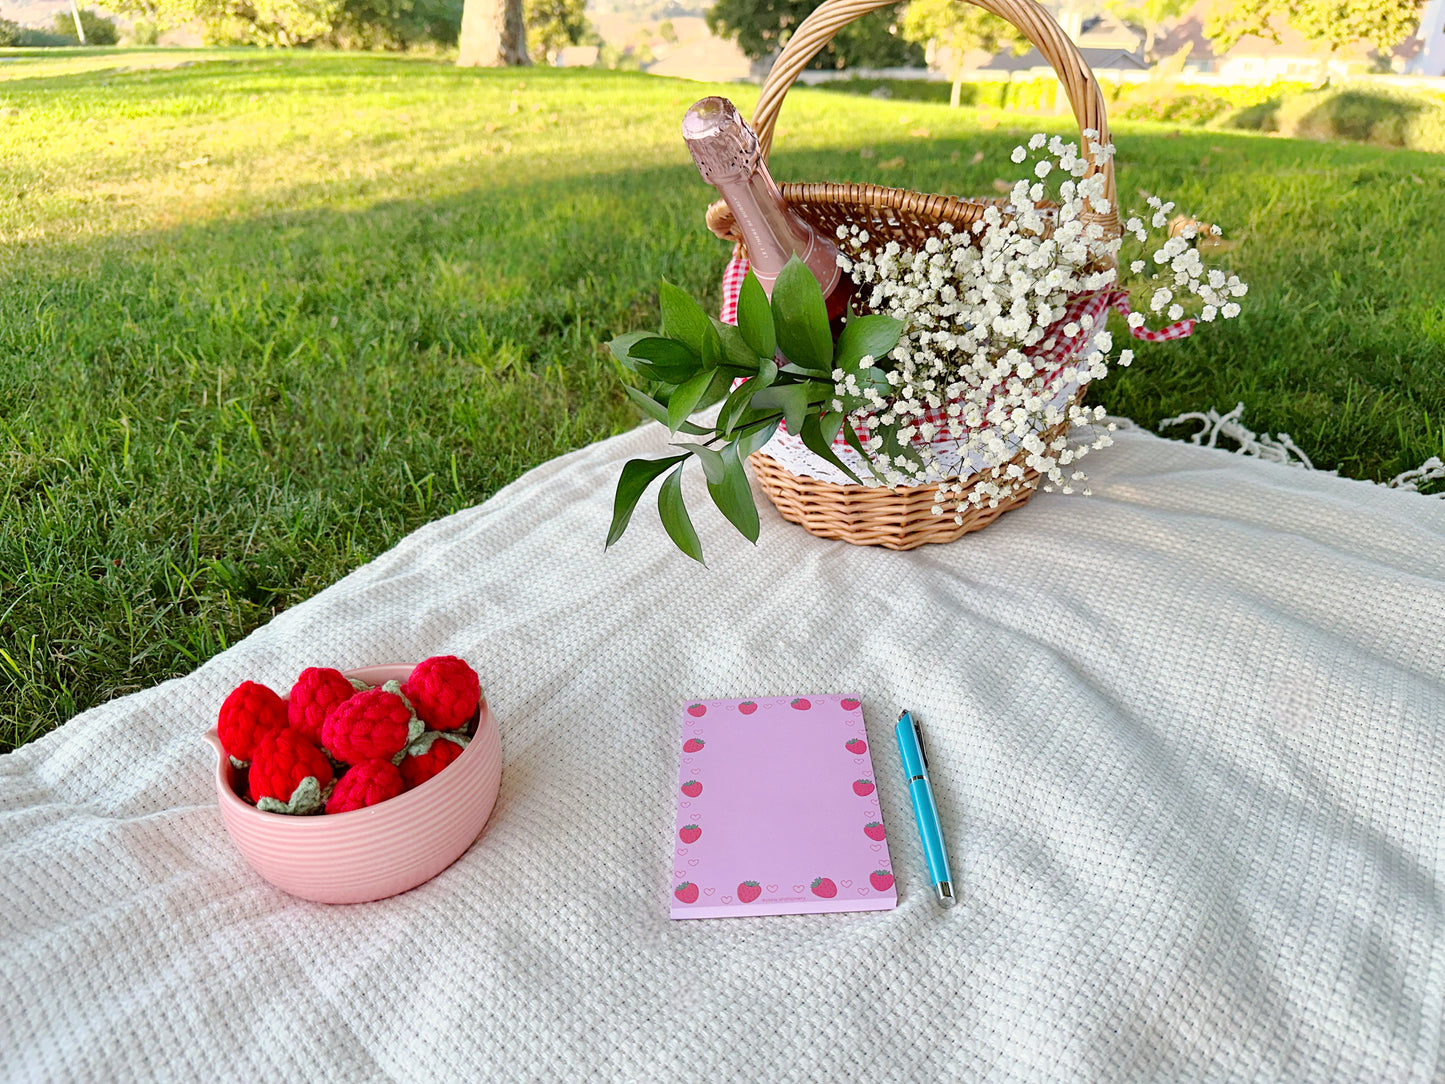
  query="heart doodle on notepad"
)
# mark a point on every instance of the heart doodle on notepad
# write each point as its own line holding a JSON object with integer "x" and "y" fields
{"x": 677, "y": 873}
{"x": 862, "y": 890}
{"x": 772, "y": 888}
{"x": 797, "y": 888}
{"x": 686, "y": 805}
{"x": 875, "y": 846}
{"x": 692, "y": 861}
{"x": 687, "y": 760}
{"x": 708, "y": 891}
{"x": 682, "y": 850}
{"x": 845, "y": 882}
{"x": 727, "y": 899}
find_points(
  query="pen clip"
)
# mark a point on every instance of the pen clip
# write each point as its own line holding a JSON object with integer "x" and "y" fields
{"x": 922, "y": 749}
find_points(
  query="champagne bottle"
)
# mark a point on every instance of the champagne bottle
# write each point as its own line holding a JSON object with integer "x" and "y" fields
{"x": 727, "y": 155}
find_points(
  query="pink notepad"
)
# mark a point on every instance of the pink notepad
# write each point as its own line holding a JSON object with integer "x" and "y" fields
{"x": 777, "y": 811}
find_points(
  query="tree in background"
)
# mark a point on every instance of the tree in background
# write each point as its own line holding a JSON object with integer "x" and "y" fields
{"x": 396, "y": 24}
{"x": 9, "y": 33}
{"x": 248, "y": 22}
{"x": 98, "y": 29}
{"x": 762, "y": 27}
{"x": 1382, "y": 24}
{"x": 959, "y": 28}
{"x": 494, "y": 34}
{"x": 1150, "y": 16}
{"x": 552, "y": 25}
{"x": 365, "y": 24}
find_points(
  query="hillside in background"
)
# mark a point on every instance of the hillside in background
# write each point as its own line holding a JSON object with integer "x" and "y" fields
{"x": 33, "y": 12}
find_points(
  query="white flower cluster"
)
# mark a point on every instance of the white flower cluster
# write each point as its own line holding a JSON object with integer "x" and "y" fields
{"x": 982, "y": 308}
{"x": 1179, "y": 269}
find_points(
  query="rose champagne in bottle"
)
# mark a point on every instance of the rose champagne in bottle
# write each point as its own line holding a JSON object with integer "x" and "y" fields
{"x": 728, "y": 157}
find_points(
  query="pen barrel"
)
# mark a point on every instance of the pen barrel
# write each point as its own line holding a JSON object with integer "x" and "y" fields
{"x": 925, "y": 812}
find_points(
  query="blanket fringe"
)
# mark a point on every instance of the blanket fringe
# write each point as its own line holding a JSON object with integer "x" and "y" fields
{"x": 1281, "y": 449}
{"x": 1276, "y": 449}
{"x": 1429, "y": 471}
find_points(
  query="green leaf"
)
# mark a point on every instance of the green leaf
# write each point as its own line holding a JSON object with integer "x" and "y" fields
{"x": 734, "y": 496}
{"x": 621, "y": 346}
{"x": 664, "y": 360}
{"x": 751, "y": 438}
{"x": 812, "y": 435}
{"x": 767, "y": 371}
{"x": 755, "y": 318}
{"x": 801, "y": 318}
{"x": 675, "y": 518}
{"x": 736, "y": 350}
{"x": 830, "y": 424}
{"x": 711, "y": 460}
{"x": 736, "y": 403}
{"x": 684, "y": 400}
{"x": 866, "y": 336}
{"x": 658, "y": 413}
{"x": 683, "y": 318}
{"x": 636, "y": 476}
{"x": 712, "y": 351}
{"x": 791, "y": 399}
{"x": 850, "y": 436}
{"x": 717, "y": 390}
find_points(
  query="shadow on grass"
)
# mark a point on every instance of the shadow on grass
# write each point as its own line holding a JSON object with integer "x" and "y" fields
{"x": 205, "y": 425}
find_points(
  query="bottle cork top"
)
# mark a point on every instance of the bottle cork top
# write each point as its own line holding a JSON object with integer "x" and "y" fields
{"x": 723, "y": 146}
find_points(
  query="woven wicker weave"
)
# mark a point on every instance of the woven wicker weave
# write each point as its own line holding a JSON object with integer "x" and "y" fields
{"x": 901, "y": 518}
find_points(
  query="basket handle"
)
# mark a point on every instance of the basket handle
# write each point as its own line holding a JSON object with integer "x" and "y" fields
{"x": 1038, "y": 26}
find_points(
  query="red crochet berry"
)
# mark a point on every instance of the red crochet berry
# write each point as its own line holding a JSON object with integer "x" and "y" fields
{"x": 374, "y": 724}
{"x": 289, "y": 774}
{"x": 365, "y": 784}
{"x": 429, "y": 754}
{"x": 249, "y": 712}
{"x": 445, "y": 692}
{"x": 317, "y": 691}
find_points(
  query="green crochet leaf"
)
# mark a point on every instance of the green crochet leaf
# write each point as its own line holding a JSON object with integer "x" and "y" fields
{"x": 422, "y": 745}
{"x": 307, "y": 799}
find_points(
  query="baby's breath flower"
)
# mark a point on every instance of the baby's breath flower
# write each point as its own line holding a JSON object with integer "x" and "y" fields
{"x": 974, "y": 374}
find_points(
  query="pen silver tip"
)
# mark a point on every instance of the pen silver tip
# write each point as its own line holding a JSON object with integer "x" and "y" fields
{"x": 945, "y": 893}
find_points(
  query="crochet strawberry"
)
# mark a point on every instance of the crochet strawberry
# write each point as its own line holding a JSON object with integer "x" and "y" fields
{"x": 371, "y": 725}
{"x": 250, "y": 711}
{"x": 429, "y": 754}
{"x": 289, "y": 774}
{"x": 365, "y": 784}
{"x": 445, "y": 691}
{"x": 317, "y": 691}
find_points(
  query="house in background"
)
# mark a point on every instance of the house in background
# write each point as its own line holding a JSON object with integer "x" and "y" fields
{"x": 1106, "y": 44}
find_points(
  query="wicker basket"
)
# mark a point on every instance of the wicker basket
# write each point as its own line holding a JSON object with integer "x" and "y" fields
{"x": 900, "y": 518}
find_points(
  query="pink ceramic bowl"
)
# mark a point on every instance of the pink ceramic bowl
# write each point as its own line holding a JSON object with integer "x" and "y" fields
{"x": 371, "y": 853}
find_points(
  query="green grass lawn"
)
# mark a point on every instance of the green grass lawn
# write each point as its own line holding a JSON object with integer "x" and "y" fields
{"x": 261, "y": 315}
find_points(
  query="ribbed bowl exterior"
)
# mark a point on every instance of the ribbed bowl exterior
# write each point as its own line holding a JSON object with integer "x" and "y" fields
{"x": 379, "y": 851}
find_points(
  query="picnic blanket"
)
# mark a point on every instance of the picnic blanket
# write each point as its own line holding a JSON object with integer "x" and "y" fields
{"x": 1186, "y": 739}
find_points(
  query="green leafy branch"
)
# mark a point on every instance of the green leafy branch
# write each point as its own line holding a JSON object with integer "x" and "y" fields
{"x": 784, "y": 352}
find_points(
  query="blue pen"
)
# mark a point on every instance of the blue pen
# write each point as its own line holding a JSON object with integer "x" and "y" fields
{"x": 925, "y": 812}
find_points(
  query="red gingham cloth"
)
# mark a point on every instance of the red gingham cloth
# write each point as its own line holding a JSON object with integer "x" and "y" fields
{"x": 1052, "y": 362}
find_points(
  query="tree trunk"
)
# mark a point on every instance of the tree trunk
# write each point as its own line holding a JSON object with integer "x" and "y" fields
{"x": 494, "y": 34}
{"x": 957, "y": 91}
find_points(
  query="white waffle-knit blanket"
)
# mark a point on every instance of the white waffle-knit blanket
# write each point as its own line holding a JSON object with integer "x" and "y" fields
{"x": 1187, "y": 735}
